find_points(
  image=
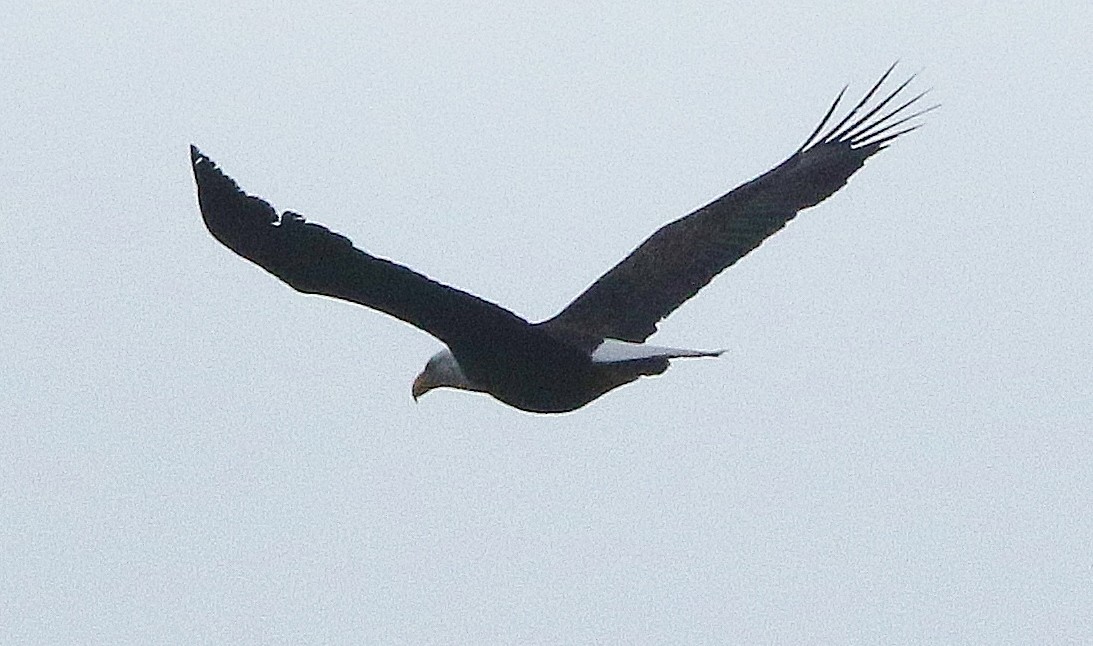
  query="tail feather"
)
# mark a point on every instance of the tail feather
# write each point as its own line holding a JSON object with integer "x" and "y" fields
{"x": 615, "y": 351}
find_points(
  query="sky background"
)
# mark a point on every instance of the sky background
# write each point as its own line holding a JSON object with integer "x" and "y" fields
{"x": 896, "y": 447}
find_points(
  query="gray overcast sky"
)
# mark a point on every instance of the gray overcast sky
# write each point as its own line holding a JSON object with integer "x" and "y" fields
{"x": 896, "y": 447}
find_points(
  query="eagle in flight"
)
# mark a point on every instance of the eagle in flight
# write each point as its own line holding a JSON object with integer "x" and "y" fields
{"x": 597, "y": 342}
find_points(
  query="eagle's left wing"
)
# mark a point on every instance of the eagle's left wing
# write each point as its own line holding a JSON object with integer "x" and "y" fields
{"x": 315, "y": 260}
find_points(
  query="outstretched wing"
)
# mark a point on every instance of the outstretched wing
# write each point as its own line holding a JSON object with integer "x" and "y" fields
{"x": 315, "y": 260}
{"x": 680, "y": 258}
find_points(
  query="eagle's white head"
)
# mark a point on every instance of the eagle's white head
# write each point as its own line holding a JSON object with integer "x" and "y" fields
{"x": 442, "y": 370}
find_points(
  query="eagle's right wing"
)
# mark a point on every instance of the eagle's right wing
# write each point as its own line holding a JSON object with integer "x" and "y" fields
{"x": 680, "y": 258}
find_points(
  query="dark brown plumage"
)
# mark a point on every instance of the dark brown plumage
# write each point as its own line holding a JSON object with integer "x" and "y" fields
{"x": 563, "y": 363}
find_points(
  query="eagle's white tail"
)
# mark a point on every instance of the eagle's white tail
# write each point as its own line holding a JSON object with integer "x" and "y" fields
{"x": 614, "y": 351}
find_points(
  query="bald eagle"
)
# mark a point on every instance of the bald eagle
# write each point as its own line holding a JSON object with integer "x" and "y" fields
{"x": 595, "y": 344}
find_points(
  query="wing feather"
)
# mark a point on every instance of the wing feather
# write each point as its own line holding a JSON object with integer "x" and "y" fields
{"x": 680, "y": 258}
{"x": 314, "y": 260}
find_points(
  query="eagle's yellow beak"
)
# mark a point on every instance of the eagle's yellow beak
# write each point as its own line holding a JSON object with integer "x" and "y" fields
{"x": 422, "y": 385}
